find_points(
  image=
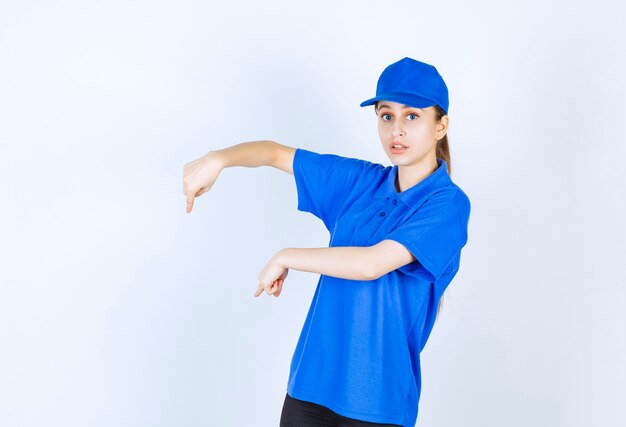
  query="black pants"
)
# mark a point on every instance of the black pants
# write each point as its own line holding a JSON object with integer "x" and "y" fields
{"x": 300, "y": 413}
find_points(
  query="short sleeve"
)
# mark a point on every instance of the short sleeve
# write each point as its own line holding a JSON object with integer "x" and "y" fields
{"x": 435, "y": 234}
{"x": 324, "y": 182}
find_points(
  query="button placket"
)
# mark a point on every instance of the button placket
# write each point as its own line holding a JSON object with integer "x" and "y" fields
{"x": 393, "y": 202}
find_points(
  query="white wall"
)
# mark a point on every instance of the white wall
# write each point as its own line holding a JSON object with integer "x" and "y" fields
{"x": 119, "y": 309}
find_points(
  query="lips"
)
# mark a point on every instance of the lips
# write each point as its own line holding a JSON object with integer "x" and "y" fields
{"x": 397, "y": 143}
{"x": 398, "y": 150}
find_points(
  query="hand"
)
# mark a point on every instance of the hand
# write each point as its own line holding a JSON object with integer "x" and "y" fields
{"x": 199, "y": 176}
{"x": 272, "y": 276}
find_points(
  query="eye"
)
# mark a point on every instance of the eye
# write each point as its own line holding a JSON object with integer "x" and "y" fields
{"x": 415, "y": 115}
{"x": 384, "y": 115}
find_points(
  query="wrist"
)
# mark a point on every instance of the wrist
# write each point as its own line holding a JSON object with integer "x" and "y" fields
{"x": 216, "y": 157}
{"x": 282, "y": 257}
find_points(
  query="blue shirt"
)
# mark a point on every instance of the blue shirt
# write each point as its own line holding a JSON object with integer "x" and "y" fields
{"x": 359, "y": 350}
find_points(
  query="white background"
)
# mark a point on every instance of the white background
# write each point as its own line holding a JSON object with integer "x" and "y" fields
{"x": 119, "y": 309}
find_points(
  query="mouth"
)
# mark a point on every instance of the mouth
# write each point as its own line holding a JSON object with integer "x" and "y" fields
{"x": 397, "y": 148}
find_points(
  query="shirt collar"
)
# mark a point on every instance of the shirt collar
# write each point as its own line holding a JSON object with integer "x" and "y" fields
{"x": 412, "y": 196}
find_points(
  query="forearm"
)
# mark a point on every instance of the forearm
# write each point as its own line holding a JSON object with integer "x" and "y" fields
{"x": 345, "y": 262}
{"x": 250, "y": 154}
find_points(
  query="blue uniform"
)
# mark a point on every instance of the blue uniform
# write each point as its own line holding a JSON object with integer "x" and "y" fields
{"x": 359, "y": 350}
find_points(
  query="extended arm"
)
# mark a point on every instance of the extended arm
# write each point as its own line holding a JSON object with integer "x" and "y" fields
{"x": 199, "y": 175}
{"x": 348, "y": 262}
{"x": 256, "y": 153}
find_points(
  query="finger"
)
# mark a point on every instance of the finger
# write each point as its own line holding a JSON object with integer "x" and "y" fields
{"x": 189, "y": 203}
{"x": 259, "y": 290}
{"x": 271, "y": 289}
{"x": 280, "y": 288}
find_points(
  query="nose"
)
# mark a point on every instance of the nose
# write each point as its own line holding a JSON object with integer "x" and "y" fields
{"x": 397, "y": 130}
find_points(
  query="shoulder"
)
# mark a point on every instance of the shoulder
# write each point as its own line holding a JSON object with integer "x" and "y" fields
{"x": 306, "y": 153}
{"x": 448, "y": 197}
{"x": 447, "y": 204}
{"x": 336, "y": 163}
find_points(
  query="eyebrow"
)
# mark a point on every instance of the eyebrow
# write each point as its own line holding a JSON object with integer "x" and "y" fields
{"x": 403, "y": 106}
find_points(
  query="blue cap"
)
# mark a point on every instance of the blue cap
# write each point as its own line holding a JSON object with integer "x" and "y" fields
{"x": 413, "y": 83}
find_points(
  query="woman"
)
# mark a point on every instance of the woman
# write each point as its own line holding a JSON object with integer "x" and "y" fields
{"x": 396, "y": 238}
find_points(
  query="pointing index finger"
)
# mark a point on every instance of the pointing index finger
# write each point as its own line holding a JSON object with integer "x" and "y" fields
{"x": 259, "y": 290}
{"x": 189, "y": 203}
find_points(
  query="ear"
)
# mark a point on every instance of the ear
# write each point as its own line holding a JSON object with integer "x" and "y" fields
{"x": 442, "y": 127}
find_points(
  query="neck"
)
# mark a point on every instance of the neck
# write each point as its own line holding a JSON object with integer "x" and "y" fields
{"x": 411, "y": 175}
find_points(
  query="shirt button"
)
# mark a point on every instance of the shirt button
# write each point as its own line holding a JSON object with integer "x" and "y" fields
{"x": 394, "y": 201}
{"x": 382, "y": 214}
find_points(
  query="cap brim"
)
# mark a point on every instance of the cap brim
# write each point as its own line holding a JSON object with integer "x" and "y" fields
{"x": 402, "y": 98}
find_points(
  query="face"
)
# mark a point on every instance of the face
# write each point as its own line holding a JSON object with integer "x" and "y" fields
{"x": 413, "y": 128}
